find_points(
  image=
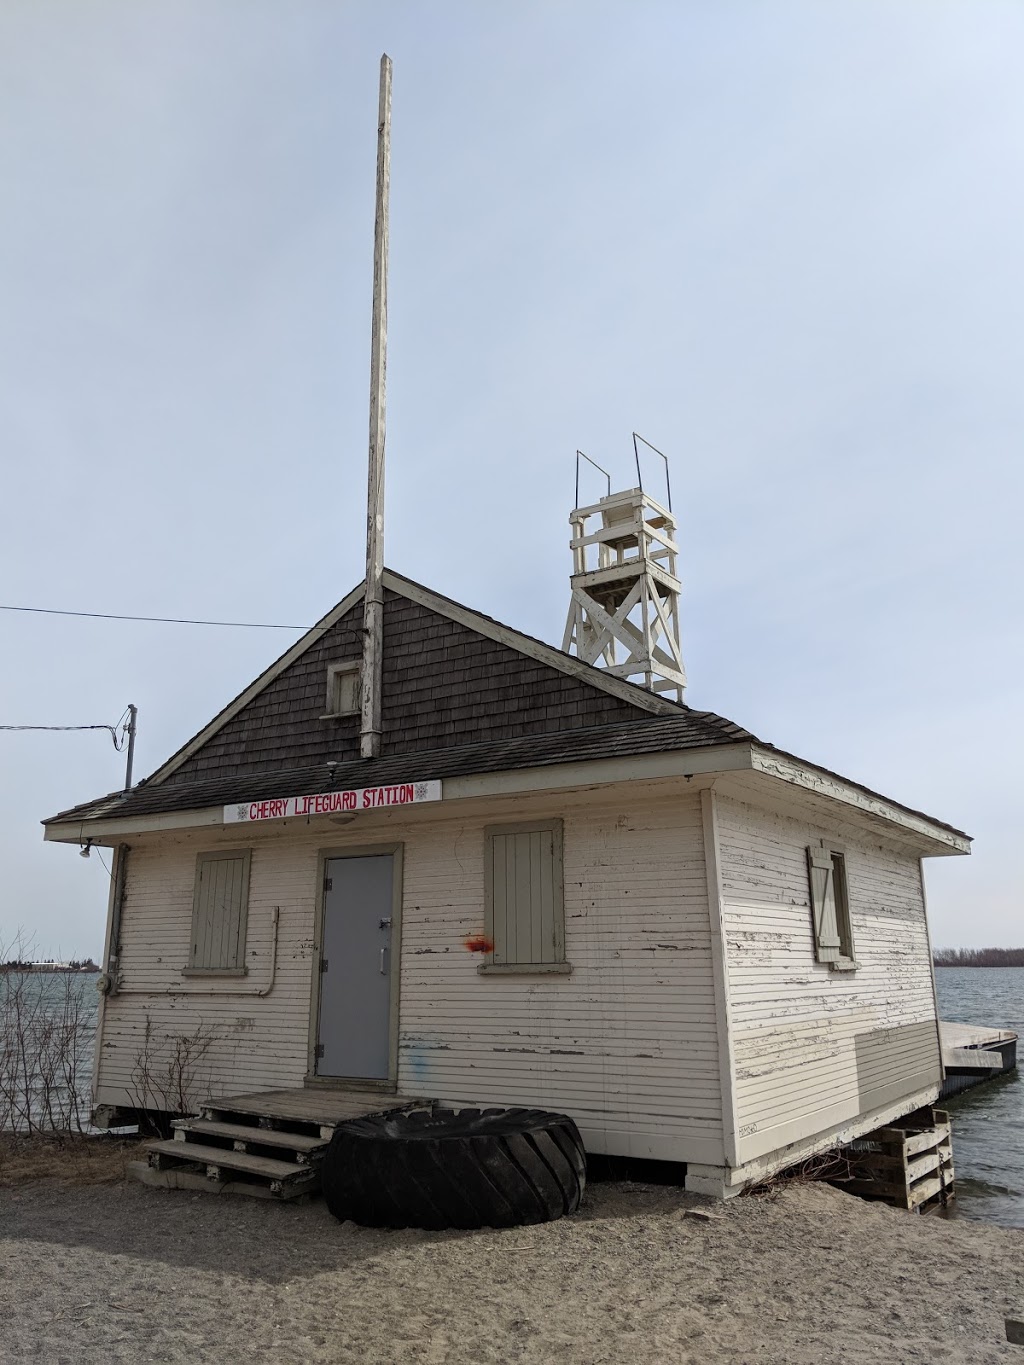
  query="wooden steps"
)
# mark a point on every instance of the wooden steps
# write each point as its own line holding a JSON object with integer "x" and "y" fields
{"x": 269, "y": 1145}
{"x": 253, "y": 1154}
{"x": 216, "y": 1158}
{"x": 908, "y": 1164}
{"x": 244, "y": 1133}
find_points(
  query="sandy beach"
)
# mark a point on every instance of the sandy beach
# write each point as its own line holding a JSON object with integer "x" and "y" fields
{"x": 93, "y": 1269}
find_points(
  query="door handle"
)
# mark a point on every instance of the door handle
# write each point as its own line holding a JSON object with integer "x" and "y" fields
{"x": 382, "y": 952}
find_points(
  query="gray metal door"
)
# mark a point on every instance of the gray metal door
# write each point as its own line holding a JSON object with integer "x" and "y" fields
{"x": 354, "y": 1036}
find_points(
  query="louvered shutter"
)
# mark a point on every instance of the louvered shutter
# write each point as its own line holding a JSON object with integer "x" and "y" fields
{"x": 827, "y": 943}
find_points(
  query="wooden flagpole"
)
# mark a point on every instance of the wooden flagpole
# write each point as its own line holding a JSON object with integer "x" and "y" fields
{"x": 373, "y": 604}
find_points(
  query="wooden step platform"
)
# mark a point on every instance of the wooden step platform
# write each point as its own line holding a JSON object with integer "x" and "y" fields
{"x": 269, "y": 1144}
{"x": 216, "y": 1159}
{"x": 306, "y": 1109}
{"x": 908, "y": 1164}
{"x": 244, "y": 1136}
{"x": 187, "y": 1177}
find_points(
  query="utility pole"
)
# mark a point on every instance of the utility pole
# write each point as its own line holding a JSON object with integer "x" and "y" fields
{"x": 373, "y": 603}
{"x": 133, "y": 719}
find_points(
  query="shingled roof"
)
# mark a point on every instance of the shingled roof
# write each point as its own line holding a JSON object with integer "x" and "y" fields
{"x": 463, "y": 695}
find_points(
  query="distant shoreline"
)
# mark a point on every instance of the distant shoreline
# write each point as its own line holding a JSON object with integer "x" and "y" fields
{"x": 46, "y": 968}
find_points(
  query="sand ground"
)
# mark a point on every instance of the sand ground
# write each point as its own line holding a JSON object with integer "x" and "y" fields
{"x": 96, "y": 1270}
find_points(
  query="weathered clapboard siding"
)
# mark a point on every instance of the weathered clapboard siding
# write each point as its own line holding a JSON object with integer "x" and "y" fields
{"x": 258, "y": 1042}
{"x": 627, "y": 1043}
{"x": 814, "y": 1048}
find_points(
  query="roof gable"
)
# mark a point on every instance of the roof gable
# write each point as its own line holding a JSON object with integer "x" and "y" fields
{"x": 451, "y": 676}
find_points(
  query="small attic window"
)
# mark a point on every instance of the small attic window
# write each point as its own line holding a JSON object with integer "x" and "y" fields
{"x": 343, "y": 689}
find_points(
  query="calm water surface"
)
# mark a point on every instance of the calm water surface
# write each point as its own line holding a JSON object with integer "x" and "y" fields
{"x": 988, "y": 1121}
{"x": 56, "y": 995}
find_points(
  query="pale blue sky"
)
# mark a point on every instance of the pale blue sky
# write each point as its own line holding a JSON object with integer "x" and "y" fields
{"x": 781, "y": 240}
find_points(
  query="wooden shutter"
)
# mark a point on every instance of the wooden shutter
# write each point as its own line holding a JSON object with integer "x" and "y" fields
{"x": 823, "y": 904}
{"x": 524, "y": 909}
{"x": 219, "y": 911}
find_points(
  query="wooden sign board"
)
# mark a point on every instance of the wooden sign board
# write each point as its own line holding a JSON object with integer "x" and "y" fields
{"x": 332, "y": 803}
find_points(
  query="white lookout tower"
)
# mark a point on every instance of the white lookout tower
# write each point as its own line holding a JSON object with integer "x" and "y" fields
{"x": 624, "y": 612}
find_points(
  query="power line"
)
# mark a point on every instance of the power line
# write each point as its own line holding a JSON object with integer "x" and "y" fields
{"x": 111, "y": 728}
{"x": 117, "y": 732}
{"x": 163, "y": 620}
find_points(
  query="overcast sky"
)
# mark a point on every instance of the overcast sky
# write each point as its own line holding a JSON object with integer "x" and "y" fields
{"x": 783, "y": 241}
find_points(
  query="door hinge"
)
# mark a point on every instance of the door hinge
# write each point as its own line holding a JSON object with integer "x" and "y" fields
{"x": 318, "y": 1051}
{"x": 323, "y": 964}
{"x": 329, "y": 884}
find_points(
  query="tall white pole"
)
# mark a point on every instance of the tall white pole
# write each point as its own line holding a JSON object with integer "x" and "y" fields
{"x": 373, "y": 605}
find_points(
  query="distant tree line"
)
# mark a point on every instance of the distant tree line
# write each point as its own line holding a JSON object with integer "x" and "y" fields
{"x": 16, "y": 964}
{"x": 979, "y": 957}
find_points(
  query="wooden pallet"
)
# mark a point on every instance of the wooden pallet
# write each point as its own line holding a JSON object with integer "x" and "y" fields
{"x": 908, "y": 1164}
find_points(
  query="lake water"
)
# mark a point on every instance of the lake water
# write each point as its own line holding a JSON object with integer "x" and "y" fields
{"x": 988, "y": 1121}
{"x": 47, "y": 1036}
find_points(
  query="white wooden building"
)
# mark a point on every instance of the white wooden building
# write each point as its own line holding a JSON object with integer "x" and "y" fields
{"x": 550, "y": 887}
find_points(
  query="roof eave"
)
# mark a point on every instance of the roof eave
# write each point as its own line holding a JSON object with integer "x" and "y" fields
{"x": 927, "y": 835}
{"x": 685, "y": 762}
{"x": 933, "y": 836}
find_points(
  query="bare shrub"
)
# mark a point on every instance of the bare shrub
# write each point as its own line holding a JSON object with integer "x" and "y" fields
{"x": 165, "y": 1071}
{"x": 46, "y": 1031}
{"x": 831, "y": 1166}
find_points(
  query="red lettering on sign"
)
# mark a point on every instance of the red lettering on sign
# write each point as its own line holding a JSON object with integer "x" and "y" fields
{"x": 325, "y": 803}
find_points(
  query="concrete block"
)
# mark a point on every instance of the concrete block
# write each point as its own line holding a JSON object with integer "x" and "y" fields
{"x": 712, "y": 1180}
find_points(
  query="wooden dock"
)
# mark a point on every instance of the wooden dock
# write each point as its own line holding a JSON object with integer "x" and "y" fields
{"x": 269, "y": 1144}
{"x": 972, "y": 1055}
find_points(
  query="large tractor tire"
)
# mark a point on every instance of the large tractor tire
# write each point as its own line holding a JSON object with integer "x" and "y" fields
{"x": 438, "y": 1168}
